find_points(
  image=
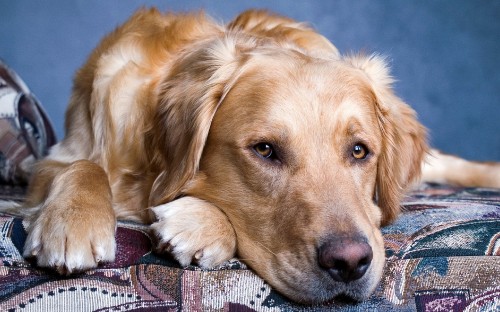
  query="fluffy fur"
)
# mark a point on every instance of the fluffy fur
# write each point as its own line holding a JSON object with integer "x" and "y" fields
{"x": 171, "y": 122}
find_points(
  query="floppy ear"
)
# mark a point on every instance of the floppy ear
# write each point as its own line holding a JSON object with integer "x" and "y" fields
{"x": 188, "y": 99}
{"x": 404, "y": 139}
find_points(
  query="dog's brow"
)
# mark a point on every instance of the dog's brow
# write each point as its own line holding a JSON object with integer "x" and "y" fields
{"x": 353, "y": 126}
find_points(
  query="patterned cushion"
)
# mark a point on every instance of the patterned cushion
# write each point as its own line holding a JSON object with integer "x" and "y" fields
{"x": 442, "y": 255}
{"x": 25, "y": 130}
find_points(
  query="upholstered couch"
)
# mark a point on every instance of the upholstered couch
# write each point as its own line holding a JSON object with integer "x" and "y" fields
{"x": 442, "y": 255}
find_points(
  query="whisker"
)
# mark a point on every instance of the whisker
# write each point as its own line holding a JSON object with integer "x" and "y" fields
{"x": 267, "y": 248}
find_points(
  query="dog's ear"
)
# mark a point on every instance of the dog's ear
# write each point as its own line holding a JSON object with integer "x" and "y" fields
{"x": 404, "y": 139}
{"x": 188, "y": 98}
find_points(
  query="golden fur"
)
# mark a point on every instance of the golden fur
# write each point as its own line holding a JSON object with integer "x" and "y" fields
{"x": 168, "y": 124}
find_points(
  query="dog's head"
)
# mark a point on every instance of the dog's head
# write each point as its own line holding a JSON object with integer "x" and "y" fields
{"x": 307, "y": 156}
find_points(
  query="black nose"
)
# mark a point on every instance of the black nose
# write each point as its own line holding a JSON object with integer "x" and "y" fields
{"x": 345, "y": 258}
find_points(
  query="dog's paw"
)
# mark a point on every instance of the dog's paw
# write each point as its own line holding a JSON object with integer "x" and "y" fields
{"x": 70, "y": 242}
{"x": 194, "y": 231}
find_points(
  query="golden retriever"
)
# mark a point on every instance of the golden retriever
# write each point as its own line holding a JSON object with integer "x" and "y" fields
{"x": 256, "y": 139}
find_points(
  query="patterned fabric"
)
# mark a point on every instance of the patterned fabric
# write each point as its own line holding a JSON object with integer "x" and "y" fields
{"x": 442, "y": 255}
{"x": 25, "y": 130}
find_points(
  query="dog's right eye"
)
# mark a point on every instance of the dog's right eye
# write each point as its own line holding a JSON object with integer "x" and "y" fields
{"x": 264, "y": 150}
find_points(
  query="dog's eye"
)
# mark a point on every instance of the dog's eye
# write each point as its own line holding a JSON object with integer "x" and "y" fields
{"x": 264, "y": 150}
{"x": 359, "y": 151}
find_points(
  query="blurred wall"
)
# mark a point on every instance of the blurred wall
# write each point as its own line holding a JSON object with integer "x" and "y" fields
{"x": 444, "y": 54}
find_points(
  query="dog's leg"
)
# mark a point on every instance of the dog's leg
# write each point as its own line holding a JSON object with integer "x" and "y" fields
{"x": 72, "y": 227}
{"x": 194, "y": 230}
{"x": 442, "y": 168}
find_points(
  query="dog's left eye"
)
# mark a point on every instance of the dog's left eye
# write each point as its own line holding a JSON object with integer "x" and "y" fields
{"x": 359, "y": 151}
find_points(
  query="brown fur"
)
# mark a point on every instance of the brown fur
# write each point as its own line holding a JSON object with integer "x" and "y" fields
{"x": 442, "y": 168}
{"x": 165, "y": 115}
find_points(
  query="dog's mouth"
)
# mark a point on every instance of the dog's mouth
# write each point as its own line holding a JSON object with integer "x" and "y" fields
{"x": 312, "y": 284}
{"x": 351, "y": 292}
{"x": 337, "y": 266}
{"x": 327, "y": 292}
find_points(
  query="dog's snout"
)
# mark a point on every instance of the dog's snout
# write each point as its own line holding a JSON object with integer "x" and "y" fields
{"x": 346, "y": 259}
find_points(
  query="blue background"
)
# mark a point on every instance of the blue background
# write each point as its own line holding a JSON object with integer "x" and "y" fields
{"x": 444, "y": 54}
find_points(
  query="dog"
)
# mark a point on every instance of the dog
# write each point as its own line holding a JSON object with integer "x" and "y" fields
{"x": 254, "y": 139}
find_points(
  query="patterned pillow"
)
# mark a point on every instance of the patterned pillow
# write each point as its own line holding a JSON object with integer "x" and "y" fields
{"x": 25, "y": 130}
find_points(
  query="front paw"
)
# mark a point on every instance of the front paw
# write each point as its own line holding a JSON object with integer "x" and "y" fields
{"x": 194, "y": 230}
{"x": 70, "y": 242}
